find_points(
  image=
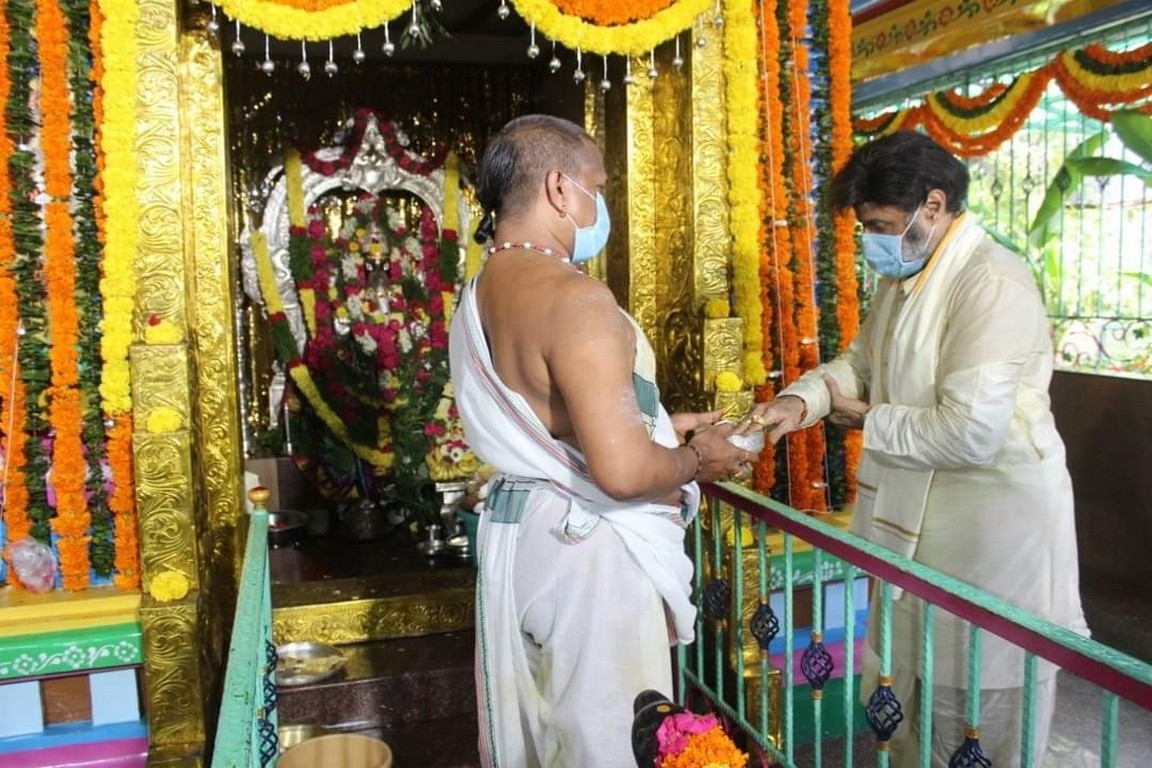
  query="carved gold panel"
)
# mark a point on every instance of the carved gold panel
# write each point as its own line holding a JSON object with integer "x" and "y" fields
{"x": 358, "y": 621}
{"x": 723, "y": 344}
{"x": 734, "y": 404}
{"x": 709, "y": 148}
{"x": 172, "y": 672}
{"x": 160, "y": 376}
{"x": 211, "y": 275}
{"x": 679, "y": 340}
{"x": 164, "y": 500}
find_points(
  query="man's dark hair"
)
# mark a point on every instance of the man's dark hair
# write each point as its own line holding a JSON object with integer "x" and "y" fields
{"x": 516, "y": 161}
{"x": 900, "y": 170}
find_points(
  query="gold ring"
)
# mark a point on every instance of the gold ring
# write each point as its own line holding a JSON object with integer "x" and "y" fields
{"x": 758, "y": 420}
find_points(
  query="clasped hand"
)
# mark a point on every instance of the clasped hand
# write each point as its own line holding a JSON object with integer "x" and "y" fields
{"x": 785, "y": 414}
{"x": 719, "y": 459}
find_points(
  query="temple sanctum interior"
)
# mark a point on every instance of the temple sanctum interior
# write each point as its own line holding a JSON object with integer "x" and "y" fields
{"x": 240, "y": 518}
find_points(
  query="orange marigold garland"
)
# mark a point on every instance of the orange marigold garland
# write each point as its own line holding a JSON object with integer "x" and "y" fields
{"x": 72, "y": 520}
{"x": 612, "y": 12}
{"x": 847, "y": 283}
{"x": 806, "y": 448}
{"x": 775, "y": 240}
{"x": 122, "y": 502}
{"x": 836, "y": 241}
{"x": 17, "y": 525}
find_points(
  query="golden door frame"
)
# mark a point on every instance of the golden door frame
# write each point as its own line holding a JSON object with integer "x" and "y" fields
{"x": 667, "y": 145}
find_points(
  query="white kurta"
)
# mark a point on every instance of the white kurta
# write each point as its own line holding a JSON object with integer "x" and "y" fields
{"x": 963, "y": 469}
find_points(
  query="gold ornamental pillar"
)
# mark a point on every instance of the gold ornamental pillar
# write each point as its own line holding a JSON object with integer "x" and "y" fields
{"x": 665, "y": 147}
{"x": 186, "y": 445}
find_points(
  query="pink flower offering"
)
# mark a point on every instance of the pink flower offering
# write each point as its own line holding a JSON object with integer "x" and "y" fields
{"x": 673, "y": 733}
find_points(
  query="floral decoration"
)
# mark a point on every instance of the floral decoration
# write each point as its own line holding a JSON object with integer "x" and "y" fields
{"x": 687, "y": 740}
{"x": 83, "y": 74}
{"x": 740, "y": 73}
{"x": 839, "y": 305}
{"x": 630, "y": 38}
{"x": 716, "y": 309}
{"x": 72, "y": 519}
{"x": 1097, "y": 80}
{"x": 607, "y": 13}
{"x": 376, "y": 288}
{"x": 169, "y": 586}
{"x": 774, "y": 240}
{"x": 17, "y": 523}
{"x": 113, "y": 36}
{"x": 313, "y": 19}
{"x": 395, "y": 143}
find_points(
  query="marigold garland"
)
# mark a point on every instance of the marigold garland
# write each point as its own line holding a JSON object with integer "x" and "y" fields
{"x": 836, "y": 253}
{"x": 28, "y": 265}
{"x": 775, "y": 242}
{"x": 115, "y": 28}
{"x": 118, "y": 148}
{"x": 1098, "y": 81}
{"x": 609, "y": 13}
{"x": 15, "y": 505}
{"x": 122, "y": 502}
{"x": 839, "y": 59}
{"x": 88, "y": 252}
{"x": 635, "y": 38}
{"x": 313, "y": 19}
{"x": 743, "y": 190}
{"x": 69, "y": 467}
{"x": 806, "y": 448}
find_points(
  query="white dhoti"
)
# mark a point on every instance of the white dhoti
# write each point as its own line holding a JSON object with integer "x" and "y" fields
{"x": 578, "y": 595}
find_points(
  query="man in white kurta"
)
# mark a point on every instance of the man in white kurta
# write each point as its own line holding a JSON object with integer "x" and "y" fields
{"x": 583, "y": 579}
{"x": 962, "y": 468}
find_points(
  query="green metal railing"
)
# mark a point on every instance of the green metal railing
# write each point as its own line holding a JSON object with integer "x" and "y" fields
{"x": 730, "y": 663}
{"x": 246, "y": 732}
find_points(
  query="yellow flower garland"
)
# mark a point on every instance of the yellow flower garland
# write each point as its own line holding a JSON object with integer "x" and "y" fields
{"x": 121, "y": 214}
{"x": 338, "y": 18}
{"x": 740, "y": 77}
{"x": 635, "y": 38}
{"x": 303, "y": 379}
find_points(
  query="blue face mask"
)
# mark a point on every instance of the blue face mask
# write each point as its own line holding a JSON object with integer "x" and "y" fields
{"x": 591, "y": 240}
{"x": 885, "y": 253}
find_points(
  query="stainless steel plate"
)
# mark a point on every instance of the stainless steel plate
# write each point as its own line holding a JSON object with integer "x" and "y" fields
{"x": 305, "y": 663}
